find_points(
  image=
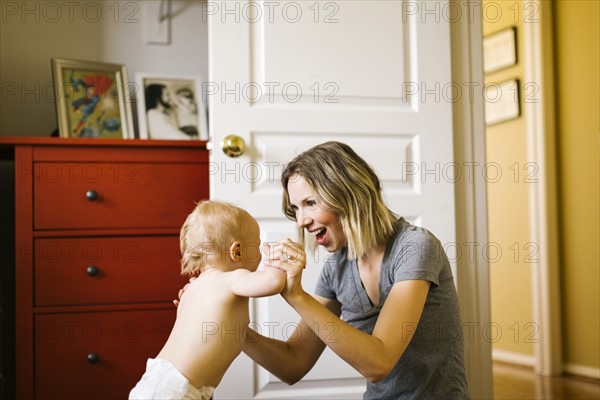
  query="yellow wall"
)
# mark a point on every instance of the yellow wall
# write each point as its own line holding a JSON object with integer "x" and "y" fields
{"x": 577, "y": 67}
{"x": 506, "y": 151}
{"x": 576, "y": 46}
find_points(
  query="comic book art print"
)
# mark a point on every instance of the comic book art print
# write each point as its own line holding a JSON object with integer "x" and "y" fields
{"x": 91, "y": 100}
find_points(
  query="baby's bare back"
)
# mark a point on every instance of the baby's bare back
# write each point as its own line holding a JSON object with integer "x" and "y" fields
{"x": 210, "y": 329}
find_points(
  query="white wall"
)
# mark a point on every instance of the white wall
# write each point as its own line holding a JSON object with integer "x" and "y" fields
{"x": 34, "y": 32}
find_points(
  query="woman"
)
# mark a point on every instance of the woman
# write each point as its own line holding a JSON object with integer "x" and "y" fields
{"x": 389, "y": 281}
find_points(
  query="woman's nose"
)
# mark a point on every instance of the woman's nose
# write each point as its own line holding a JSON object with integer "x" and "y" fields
{"x": 303, "y": 220}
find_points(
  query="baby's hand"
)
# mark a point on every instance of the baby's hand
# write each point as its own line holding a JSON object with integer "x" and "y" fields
{"x": 176, "y": 302}
{"x": 290, "y": 257}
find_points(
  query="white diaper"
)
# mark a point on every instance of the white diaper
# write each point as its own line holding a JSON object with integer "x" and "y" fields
{"x": 163, "y": 381}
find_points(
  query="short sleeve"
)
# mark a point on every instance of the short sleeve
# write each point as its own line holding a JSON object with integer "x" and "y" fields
{"x": 324, "y": 284}
{"x": 418, "y": 255}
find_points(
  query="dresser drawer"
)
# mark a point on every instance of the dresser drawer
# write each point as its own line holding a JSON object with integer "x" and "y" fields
{"x": 116, "y": 195}
{"x": 82, "y": 271}
{"x": 122, "y": 342}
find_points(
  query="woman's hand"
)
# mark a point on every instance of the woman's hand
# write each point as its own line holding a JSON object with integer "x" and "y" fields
{"x": 290, "y": 257}
{"x": 176, "y": 302}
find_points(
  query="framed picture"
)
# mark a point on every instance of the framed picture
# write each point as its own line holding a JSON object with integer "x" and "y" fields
{"x": 500, "y": 50}
{"x": 502, "y": 102}
{"x": 170, "y": 107}
{"x": 91, "y": 100}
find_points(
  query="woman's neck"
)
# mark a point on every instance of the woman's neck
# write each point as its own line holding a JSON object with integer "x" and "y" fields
{"x": 372, "y": 257}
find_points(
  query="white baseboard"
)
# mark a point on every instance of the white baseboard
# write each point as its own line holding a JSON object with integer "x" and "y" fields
{"x": 582, "y": 370}
{"x": 512, "y": 357}
{"x": 526, "y": 360}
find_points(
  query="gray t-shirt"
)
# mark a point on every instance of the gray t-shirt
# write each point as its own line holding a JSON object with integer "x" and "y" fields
{"x": 432, "y": 366}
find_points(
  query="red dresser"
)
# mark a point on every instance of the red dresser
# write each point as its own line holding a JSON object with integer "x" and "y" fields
{"x": 90, "y": 259}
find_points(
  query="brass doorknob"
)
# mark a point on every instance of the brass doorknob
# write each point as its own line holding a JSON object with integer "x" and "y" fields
{"x": 233, "y": 146}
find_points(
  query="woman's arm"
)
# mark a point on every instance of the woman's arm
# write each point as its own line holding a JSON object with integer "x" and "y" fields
{"x": 374, "y": 356}
{"x": 289, "y": 361}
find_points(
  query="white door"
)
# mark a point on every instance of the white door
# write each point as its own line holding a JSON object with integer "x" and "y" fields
{"x": 285, "y": 76}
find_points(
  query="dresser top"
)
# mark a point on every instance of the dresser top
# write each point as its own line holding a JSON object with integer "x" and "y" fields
{"x": 11, "y": 141}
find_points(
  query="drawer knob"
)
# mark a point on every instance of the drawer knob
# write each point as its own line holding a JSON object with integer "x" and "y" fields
{"x": 91, "y": 195}
{"x": 92, "y": 270}
{"x": 93, "y": 358}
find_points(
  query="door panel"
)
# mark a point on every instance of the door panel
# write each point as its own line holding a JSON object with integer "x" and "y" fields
{"x": 336, "y": 41}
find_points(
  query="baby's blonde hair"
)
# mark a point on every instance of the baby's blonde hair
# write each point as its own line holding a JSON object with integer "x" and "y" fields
{"x": 207, "y": 234}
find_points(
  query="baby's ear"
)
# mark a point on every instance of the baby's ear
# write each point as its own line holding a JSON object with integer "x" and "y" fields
{"x": 235, "y": 251}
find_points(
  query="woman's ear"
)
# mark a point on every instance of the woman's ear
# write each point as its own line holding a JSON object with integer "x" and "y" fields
{"x": 235, "y": 251}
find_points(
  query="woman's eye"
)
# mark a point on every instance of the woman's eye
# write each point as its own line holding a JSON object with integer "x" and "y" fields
{"x": 311, "y": 203}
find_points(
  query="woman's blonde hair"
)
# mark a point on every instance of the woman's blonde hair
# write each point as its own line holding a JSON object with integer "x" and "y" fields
{"x": 347, "y": 186}
{"x": 207, "y": 233}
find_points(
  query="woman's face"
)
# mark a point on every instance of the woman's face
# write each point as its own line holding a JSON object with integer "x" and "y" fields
{"x": 317, "y": 221}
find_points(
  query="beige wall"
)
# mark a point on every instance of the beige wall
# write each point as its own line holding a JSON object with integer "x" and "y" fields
{"x": 31, "y": 33}
{"x": 577, "y": 53}
{"x": 508, "y": 219}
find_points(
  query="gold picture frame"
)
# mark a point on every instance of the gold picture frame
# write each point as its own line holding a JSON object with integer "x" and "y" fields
{"x": 92, "y": 99}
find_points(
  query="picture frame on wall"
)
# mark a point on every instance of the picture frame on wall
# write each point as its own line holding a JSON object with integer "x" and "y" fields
{"x": 91, "y": 99}
{"x": 170, "y": 107}
{"x": 502, "y": 102}
{"x": 500, "y": 50}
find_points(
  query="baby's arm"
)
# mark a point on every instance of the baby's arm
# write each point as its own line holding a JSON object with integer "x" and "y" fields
{"x": 259, "y": 283}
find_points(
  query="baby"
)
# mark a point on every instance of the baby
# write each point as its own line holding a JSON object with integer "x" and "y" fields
{"x": 220, "y": 244}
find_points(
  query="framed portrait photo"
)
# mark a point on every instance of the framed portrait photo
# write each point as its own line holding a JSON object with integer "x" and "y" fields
{"x": 91, "y": 99}
{"x": 171, "y": 107}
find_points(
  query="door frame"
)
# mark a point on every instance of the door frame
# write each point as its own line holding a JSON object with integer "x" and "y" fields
{"x": 543, "y": 204}
{"x": 471, "y": 199}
